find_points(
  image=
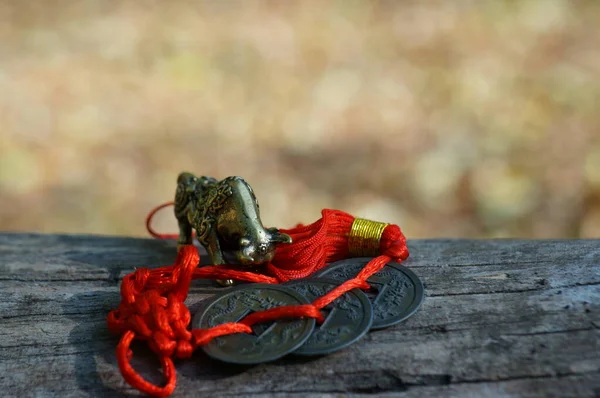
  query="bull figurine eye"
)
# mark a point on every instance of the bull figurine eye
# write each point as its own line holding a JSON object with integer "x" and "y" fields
{"x": 263, "y": 248}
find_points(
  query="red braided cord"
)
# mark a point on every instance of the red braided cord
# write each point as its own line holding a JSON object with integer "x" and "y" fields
{"x": 152, "y": 306}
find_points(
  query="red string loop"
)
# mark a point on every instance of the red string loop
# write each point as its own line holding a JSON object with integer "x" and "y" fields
{"x": 124, "y": 355}
{"x": 149, "y": 223}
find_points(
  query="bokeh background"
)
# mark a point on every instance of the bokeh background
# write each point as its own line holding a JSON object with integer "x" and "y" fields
{"x": 451, "y": 118}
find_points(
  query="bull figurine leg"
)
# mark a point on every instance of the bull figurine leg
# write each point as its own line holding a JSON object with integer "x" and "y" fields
{"x": 185, "y": 232}
{"x": 213, "y": 247}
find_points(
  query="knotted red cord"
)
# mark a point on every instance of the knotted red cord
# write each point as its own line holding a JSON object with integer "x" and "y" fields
{"x": 152, "y": 306}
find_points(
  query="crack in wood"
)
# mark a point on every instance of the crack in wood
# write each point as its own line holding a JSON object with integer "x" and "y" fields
{"x": 511, "y": 291}
{"x": 527, "y": 377}
{"x": 108, "y": 280}
{"x": 47, "y": 314}
{"x": 550, "y": 332}
{"x": 540, "y": 262}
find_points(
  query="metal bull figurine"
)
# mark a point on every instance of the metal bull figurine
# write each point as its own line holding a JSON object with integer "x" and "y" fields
{"x": 225, "y": 215}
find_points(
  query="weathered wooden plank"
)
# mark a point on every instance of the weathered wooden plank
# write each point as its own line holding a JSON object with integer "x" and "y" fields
{"x": 501, "y": 318}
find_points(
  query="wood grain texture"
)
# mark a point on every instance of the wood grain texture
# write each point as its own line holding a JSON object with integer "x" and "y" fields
{"x": 500, "y": 319}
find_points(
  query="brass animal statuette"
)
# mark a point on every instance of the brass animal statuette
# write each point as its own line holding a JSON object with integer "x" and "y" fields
{"x": 225, "y": 215}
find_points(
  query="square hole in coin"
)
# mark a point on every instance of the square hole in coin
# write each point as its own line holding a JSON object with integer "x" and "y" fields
{"x": 258, "y": 328}
{"x": 373, "y": 292}
{"x": 326, "y": 311}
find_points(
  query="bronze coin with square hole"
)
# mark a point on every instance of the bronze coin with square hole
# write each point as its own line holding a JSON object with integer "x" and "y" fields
{"x": 269, "y": 341}
{"x": 396, "y": 292}
{"x": 347, "y": 319}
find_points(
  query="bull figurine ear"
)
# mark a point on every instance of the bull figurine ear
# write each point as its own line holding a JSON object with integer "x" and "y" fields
{"x": 279, "y": 237}
{"x": 185, "y": 178}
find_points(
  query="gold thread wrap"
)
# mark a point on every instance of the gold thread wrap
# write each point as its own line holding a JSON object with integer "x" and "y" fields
{"x": 364, "y": 237}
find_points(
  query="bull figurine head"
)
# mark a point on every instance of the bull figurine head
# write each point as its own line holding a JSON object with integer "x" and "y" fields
{"x": 261, "y": 249}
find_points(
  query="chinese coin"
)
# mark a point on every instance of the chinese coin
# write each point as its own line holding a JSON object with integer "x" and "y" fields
{"x": 396, "y": 294}
{"x": 269, "y": 341}
{"x": 347, "y": 319}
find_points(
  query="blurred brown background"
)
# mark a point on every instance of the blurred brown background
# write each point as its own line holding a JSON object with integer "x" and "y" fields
{"x": 450, "y": 118}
